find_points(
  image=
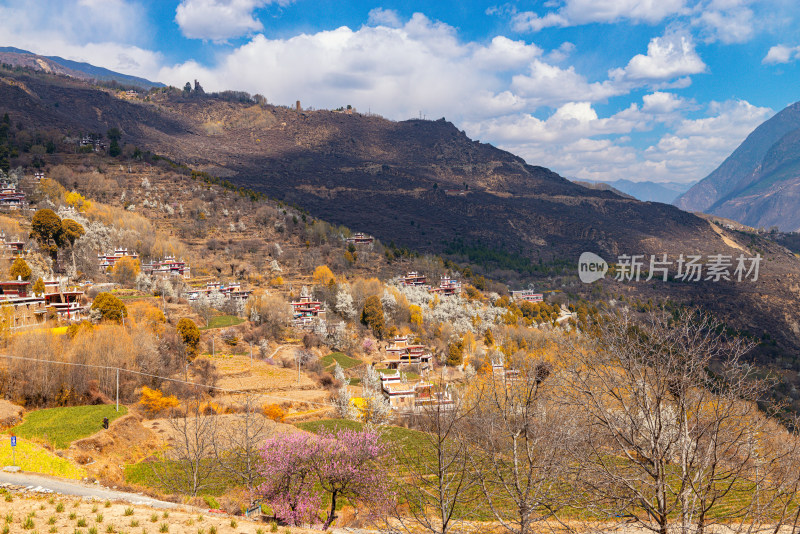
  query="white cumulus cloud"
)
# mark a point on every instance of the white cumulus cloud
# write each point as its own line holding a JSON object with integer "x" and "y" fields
{"x": 728, "y": 21}
{"x": 419, "y": 66}
{"x": 667, "y": 58}
{"x": 384, "y": 17}
{"x": 781, "y": 54}
{"x": 219, "y": 20}
{"x": 577, "y": 12}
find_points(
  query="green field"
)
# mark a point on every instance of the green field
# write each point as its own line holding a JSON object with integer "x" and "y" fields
{"x": 343, "y": 359}
{"x": 153, "y": 474}
{"x": 222, "y": 321}
{"x": 409, "y": 440}
{"x": 61, "y": 426}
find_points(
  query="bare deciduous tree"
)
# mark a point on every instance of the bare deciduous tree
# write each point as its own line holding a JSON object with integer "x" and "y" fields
{"x": 188, "y": 465}
{"x": 438, "y": 484}
{"x": 523, "y": 436}
{"x": 237, "y": 447}
{"x": 676, "y": 436}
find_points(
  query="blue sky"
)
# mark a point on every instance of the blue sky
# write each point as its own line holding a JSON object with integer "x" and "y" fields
{"x": 658, "y": 90}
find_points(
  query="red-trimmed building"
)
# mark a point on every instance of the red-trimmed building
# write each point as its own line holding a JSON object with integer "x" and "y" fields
{"x": 107, "y": 261}
{"x": 413, "y": 278}
{"x": 400, "y": 352}
{"x": 527, "y": 295}
{"x": 447, "y": 286}
{"x": 233, "y": 291}
{"x": 10, "y": 197}
{"x": 13, "y": 289}
{"x": 360, "y": 239}
{"x": 21, "y": 308}
{"x": 11, "y": 247}
{"x": 305, "y": 311}
{"x": 412, "y": 396}
{"x": 168, "y": 266}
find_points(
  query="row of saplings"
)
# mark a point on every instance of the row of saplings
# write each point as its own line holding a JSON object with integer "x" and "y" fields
{"x": 652, "y": 421}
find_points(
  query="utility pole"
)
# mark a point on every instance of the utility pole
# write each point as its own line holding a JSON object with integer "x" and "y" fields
{"x": 117, "y": 388}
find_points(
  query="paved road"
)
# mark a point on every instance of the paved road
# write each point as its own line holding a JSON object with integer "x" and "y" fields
{"x": 45, "y": 484}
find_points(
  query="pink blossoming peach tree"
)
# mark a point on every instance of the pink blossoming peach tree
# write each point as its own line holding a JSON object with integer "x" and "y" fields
{"x": 299, "y": 469}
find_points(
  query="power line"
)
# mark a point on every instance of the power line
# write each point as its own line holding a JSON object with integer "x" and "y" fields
{"x": 122, "y": 369}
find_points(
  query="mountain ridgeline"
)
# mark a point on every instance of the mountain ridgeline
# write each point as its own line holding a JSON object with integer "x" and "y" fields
{"x": 759, "y": 184}
{"x": 66, "y": 67}
{"x": 426, "y": 186}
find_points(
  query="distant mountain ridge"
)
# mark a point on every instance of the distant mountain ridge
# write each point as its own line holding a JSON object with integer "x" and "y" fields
{"x": 75, "y": 69}
{"x": 646, "y": 191}
{"x": 759, "y": 183}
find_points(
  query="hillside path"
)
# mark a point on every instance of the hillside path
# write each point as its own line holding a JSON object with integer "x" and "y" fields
{"x": 45, "y": 484}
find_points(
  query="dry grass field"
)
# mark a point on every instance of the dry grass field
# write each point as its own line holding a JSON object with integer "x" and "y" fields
{"x": 28, "y": 512}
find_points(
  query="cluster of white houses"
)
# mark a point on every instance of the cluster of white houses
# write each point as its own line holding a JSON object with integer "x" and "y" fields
{"x": 168, "y": 266}
{"x": 20, "y": 307}
{"x": 108, "y": 260}
{"x": 307, "y": 311}
{"x": 401, "y": 352}
{"x": 447, "y": 285}
{"x": 232, "y": 291}
{"x": 95, "y": 142}
{"x": 527, "y": 295}
{"x": 410, "y": 396}
{"x": 11, "y": 198}
{"x": 11, "y": 247}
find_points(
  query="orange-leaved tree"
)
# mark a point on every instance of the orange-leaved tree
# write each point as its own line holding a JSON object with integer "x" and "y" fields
{"x": 154, "y": 401}
{"x": 190, "y": 335}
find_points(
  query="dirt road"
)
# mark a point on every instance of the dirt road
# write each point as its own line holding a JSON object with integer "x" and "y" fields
{"x": 45, "y": 484}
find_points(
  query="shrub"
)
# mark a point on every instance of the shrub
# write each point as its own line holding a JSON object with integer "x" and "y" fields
{"x": 274, "y": 412}
{"x": 71, "y": 231}
{"x": 77, "y": 201}
{"x": 229, "y": 337}
{"x": 190, "y": 335}
{"x": 455, "y": 353}
{"x": 154, "y": 401}
{"x": 125, "y": 271}
{"x": 19, "y": 269}
{"x": 323, "y": 276}
{"x": 46, "y": 228}
{"x": 110, "y": 307}
{"x": 372, "y": 316}
{"x": 38, "y": 286}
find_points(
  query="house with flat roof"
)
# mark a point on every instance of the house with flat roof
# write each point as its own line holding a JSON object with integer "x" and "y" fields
{"x": 528, "y": 295}
{"x": 108, "y": 260}
{"x": 167, "y": 267}
{"x": 413, "y": 278}
{"x": 360, "y": 239}
{"x": 305, "y": 311}
{"x": 401, "y": 352}
{"x": 447, "y": 286}
{"x": 233, "y": 291}
{"x": 412, "y": 396}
